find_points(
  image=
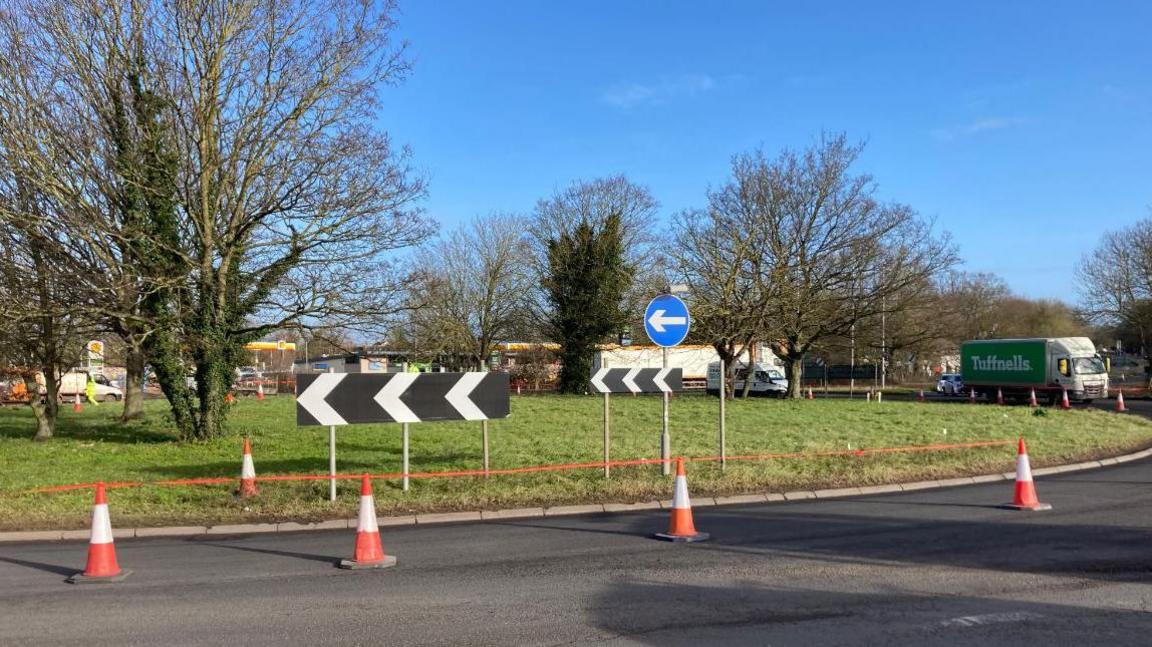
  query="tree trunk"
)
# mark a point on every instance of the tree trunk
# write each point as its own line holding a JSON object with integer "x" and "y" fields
{"x": 134, "y": 378}
{"x": 794, "y": 369}
{"x": 45, "y": 415}
{"x": 750, "y": 374}
{"x": 164, "y": 349}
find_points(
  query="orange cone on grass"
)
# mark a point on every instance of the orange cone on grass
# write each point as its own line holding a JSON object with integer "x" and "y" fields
{"x": 920, "y": 397}
{"x": 229, "y": 398}
{"x": 247, "y": 472}
{"x": 681, "y": 529}
{"x": 1120, "y": 408}
{"x": 1032, "y": 399}
{"x": 76, "y": 406}
{"x": 369, "y": 552}
{"x": 102, "y": 565}
{"x": 810, "y": 396}
{"x": 1025, "y": 498}
{"x": 999, "y": 396}
{"x": 1064, "y": 404}
{"x": 972, "y": 396}
{"x": 260, "y": 391}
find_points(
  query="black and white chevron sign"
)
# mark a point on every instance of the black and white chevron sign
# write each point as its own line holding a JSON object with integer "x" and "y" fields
{"x": 364, "y": 398}
{"x": 637, "y": 380}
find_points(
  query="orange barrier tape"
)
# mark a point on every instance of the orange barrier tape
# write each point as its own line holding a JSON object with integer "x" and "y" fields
{"x": 220, "y": 480}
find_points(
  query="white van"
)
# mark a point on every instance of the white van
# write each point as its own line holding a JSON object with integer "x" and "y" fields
{"x": 766, "y": 380}
{"x": 75, "y": 382}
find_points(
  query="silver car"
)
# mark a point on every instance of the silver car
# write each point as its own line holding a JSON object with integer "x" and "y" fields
{"x": 950, "y": 384}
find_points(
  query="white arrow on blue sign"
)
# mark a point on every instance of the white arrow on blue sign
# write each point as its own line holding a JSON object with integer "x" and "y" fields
{"x": 666, "y": 320}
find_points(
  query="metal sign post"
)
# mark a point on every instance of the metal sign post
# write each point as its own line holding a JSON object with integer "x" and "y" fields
{"x": 665, "y": 439}
{"x": 405, "y": 442}
{"x": 332, "y": 462}
{"x": 666, "y": 321}
{"x": 723, "y": 398}
{"x": 484, "y": 434}
{"x": 607, "y": 437}
{"x": 331, "y": 457}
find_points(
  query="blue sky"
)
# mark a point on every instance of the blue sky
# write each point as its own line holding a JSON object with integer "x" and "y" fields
{"x": 1024, "y": 128}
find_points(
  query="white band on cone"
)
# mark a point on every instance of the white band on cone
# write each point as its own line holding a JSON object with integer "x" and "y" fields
{"x": 367, "y": 520}
{"x": 101, "y": 525}
{"x": 1023, "y": 468}
{"x": 247, "y": 469}
{"x": 680, "y": 499}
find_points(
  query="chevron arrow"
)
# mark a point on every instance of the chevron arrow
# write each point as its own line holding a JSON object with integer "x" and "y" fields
{"x": 598, "y": 381}
{"x": 312, "y": 399}
{"x": 389, "y": 397}
{"x": 630, "y": 380}
{"x": 658, "y": 380}
{"x": 458, "y": 396}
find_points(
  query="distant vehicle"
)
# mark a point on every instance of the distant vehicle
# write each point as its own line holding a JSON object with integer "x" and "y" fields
{"x": 75, "y": 383}
{"x": 950, "y": 384}
{"x": 767, "y": 380}
{"x": 1051, "y": 366}
{"x": 247, "y": 373}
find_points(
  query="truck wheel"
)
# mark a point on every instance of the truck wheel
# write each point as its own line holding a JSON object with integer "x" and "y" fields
{"x": 111, "y": 397}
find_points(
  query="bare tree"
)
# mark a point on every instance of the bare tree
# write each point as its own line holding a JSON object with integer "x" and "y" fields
{"x": 1115, "y": 281}
{"x": 476, "y": 283}
{"x": 830, "y": 254}
{"x": 720, "y": 264}
{"x": 283, "y": 200}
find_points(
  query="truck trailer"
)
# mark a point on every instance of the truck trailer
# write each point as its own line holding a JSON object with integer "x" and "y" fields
{"x": 1051, "y": 366}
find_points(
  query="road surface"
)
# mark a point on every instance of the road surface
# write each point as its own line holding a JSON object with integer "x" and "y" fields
{"x": 934, "y": 567}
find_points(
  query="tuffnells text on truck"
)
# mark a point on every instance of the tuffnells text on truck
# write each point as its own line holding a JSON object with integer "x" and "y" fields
{"x": 1050, "y": 366}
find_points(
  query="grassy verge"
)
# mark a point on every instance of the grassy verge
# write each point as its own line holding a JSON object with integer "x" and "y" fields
{"x": 542, "y": 430}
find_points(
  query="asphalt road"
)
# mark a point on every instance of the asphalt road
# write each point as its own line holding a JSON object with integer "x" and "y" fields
{"x": 933, "y": 567}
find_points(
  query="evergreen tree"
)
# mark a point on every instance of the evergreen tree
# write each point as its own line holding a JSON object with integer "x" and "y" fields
{"x": 587, "y": 277}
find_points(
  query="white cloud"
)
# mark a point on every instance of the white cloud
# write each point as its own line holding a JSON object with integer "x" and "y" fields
{"x": 986, "y": 124}
{"x": 659, "y": 92}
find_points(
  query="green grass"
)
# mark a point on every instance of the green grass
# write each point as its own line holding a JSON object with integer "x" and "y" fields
{"x": 542, "y": 430}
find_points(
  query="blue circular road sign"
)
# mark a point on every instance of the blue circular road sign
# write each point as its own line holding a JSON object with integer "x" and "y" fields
{"x": 666, "y": 320}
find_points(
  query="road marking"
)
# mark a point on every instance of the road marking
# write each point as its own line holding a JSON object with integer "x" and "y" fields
{"x": 991, "y": 619}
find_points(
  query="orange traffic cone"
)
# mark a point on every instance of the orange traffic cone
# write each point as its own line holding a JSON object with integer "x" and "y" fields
{"x": 972, "y": 396}
{"x": 247, "y": 472}
{"x": 76, "y": 406}
{"x": 1064, "y": 401}
{"x": 229, "y": 398}
{"x": 260, "y": 391}
{"x": 681, "y": 529}
{"x": 102, "y": 566}
{"x": 1120, "y": 408}
{"x": 1025, "y": 490}
{"x": 999, "y": 396}
{"x": 1032, "y": 399}
{"x": 920, "y": 397}
{"x": 810, "y": 396}
{"x": 369, "y": 551}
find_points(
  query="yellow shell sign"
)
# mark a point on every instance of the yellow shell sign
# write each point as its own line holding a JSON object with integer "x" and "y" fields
{"x": 96, "y": 347}
{"x": 270, "y": 345}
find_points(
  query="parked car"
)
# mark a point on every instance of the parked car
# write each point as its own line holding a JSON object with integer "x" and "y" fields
{"x": 950, "y": 384}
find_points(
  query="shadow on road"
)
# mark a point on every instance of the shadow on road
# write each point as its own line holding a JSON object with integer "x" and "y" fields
{"x": 40, "y": 566}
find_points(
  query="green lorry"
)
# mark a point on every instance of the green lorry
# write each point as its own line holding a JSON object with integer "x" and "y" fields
{"x": 1050, "y": 366}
